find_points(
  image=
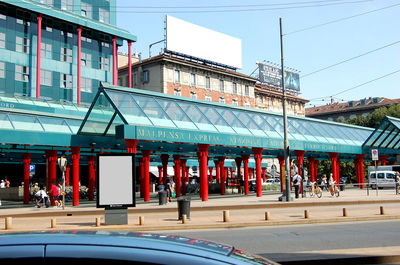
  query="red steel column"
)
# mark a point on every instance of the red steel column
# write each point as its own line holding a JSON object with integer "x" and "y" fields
{"x": 221, "y": 163}
{"x": 26, "y": 162}
{"x": 131, "y": 145}
{"x": 92, "y": 176}
{"x": 338, "y": 171}
{"x": 78, "y": 65}
{"x": 383, "y": 160}
{"x": 281, "y": 170}
{"x": 218, "y": 176}
{"x": 245, "y": 159}
{"x": 316, "y": 169}
{"x": 238, "y": 161}
{"x": 177, "y": 162}
{"x": 311, "y": 161}
{"x": 141, "y": 178}
{"x": 67, "y": 171}
{"x": 300, "y": 159}
{"x": 75, "y": 175}
{"x": 130, "y": 63}
{"x": 164, "y": 161}
{"x": 183, "y": 164}
{"x": 210, "y": 171}
{"x": 202, "y": 155}
{"x": 115, "y": 67}
{"x": 263, "y": 173}
{"x": 52, "y": 170}
{"x": 39, "y": 47}
{"x": 257, "y": 157}
{"x": 361, "y": 169}
{"x": 159, "y": 175}
{"x": 146, "y": 179}
{"x": 334, "y": 157}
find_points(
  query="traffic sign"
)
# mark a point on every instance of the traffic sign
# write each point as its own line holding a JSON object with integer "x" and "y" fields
{"x": 374, "y": 154}
{"x": 31, "y": 169}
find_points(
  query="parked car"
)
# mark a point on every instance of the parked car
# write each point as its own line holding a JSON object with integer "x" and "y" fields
{"x": 272, "y": 182}
{"x": 386, "y": 179}
{"x": 105, "y": 247}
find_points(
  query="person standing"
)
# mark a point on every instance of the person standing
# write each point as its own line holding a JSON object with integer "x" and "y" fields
{"x": 54, "y": 193}
{"x": 296, "y": 184}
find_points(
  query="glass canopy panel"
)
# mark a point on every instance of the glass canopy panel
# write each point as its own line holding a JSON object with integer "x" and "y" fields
{"x": 265, "y": 126}
{"x": 216, "y": 119}
{"x": 250, "y": 120}
{"x": 230, "y": 118}
{"x": 5, "y": 122}
{"x": 346, "y": 135}
{"x": 299, "y": 131}
{"x": 325, "y": 132}
{"x": 197, "y": 116}
{"x": 176, "y": 113}
{"x": 117, "y": 121}
{"x": 153, "y": 111}
{"x": 74, "y": 125}
{"x": 130, "y": 110}
{"x": 55, "y": 125}
{"x": 390, "y": 137}
{"x": 25, "y": 123}
{"x": 317, "y": 132}
{"x": 99, "y": 117}
{"x": 377, "y": 133}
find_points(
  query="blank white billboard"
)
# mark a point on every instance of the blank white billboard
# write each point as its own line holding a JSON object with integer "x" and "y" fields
{"x": 115, "y": 181}
{"x": 193, "y": 40}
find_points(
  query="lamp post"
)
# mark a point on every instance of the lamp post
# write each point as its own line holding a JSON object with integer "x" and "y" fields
{"x": 62, "y": 162}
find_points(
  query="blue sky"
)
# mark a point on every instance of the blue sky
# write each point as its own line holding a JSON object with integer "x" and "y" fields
{"x": 306, "y": 51}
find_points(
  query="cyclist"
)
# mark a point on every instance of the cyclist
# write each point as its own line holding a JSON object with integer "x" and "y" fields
{"x": 397, "y": 179}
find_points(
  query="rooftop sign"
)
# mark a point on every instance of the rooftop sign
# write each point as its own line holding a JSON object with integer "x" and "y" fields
{"x": 273, "y": 75}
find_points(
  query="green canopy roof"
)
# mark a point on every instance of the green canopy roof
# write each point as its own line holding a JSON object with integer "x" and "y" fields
{"x": 386, "y": 136}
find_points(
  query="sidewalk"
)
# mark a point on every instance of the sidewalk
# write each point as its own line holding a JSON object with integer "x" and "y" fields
{"x": 244, "y": 211}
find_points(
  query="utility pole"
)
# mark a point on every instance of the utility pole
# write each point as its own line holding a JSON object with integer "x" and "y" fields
{"x": 286, "y": 195}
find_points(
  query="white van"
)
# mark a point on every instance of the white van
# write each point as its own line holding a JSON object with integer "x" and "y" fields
{"x": 386, "y": 179}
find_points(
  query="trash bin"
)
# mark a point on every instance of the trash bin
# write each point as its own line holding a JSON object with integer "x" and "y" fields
{"x": 184, "y": 207}
{"x": 162, "y": 197}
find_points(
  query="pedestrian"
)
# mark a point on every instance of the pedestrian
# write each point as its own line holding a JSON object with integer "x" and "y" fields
{"x": 296, "y": 183}
{"x": 397, "y": 179}
{"x": 42, "y": 197}
{"x": 53, "y": 192}
{"x": 325, "y": 182}
{"x": 2, "y": 184}
{"x": 7, "y": 182}
{"x": 169, "y": 191}
{"x": 61, "y": 192}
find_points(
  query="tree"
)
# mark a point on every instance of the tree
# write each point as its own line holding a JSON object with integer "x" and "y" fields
{"x": 373, "y": 119}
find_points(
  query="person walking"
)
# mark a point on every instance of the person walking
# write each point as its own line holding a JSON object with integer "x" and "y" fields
{"x": 296, "y": 184}
{"x": 54, "y": 194}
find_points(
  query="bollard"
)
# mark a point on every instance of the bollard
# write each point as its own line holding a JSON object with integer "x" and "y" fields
{"x": 306, "y": 214}
{"x": 344, "y": 212}
{"x": 53, "y": 223}
{"x": 267, "y": 216}
{"x": 97, "y": 221}
{"x": 183, "y": 218}
{"x": 226, "y": 216}
{"x": 8, "y": 223}
{"x": 382, "y": 210}
{"x": 141, "y": 220}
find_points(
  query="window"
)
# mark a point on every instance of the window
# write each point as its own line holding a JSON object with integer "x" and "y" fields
{"x": 134, "y": 79}
{"x": 246, "y": 90}
{"x": 247, "y": 104}
{"x": 47, "y": 2}
{"x": 46, "y": 77}
{"x": 234, "y": 88}
{"x": 105, "y": 44}
{"x": 2, "y": 70}
{"x": 49, "y": 29}
{"x": 86, "y": 39}
{"x": 66, "y": 81}
{"x": 104, "y": 63}
{"x": 46, "y": 49}
{"x": 67, "y": 5}
{"x": 2, "y": 40}
{"x": 86, "y": 59}
{"x": 66, "y": 33}
{"x": 104, "y": 16}
{"x": 86, "y": 10}
{"x": 177, "y": 76}
{"x": 193, "y": 94}
{"x": 222, "y": 100}
{"x": 144, "y": 77}
{"x": 3, "y": 17}
{"x": 120, "y": 81}
{"x": 23, "y": 22}
{"x": 22, "y": 44}
{"x": 192, "y": 79}
{"x": 21, "y": 73}
{"x": 66, "y": 55}
{"x": 234, "y": 102}
{"x": 177, "y": 92}
{"x": 221, "y": 85}
{"x": 208, "y": 98}
{"x": 86, "y": 85}
{"x": 208, "y": 85}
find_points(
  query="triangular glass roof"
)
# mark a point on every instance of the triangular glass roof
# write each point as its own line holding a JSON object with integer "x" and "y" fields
{"x": 116, "y": 105}
{"x": 386, "y": 136}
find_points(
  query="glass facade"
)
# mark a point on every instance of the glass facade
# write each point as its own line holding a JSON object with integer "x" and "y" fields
{"x": 59, "y": 41}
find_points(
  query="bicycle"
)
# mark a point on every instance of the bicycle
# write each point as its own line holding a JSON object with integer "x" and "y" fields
{"x": 314, "y": 189}
{"x": 334, "y": 190}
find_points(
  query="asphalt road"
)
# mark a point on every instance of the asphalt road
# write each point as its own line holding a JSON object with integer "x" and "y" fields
{"x": 305, "y": 242}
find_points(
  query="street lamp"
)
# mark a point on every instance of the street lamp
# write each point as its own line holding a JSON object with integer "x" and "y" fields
{"x": 62, "y": 162}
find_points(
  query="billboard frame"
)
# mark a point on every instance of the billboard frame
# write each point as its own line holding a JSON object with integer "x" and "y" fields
{"x": 108, "y": 206}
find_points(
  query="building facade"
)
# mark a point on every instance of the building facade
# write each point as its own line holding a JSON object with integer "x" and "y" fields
{"x": 58, "y": 50}
{"x": 349, "y": 110}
